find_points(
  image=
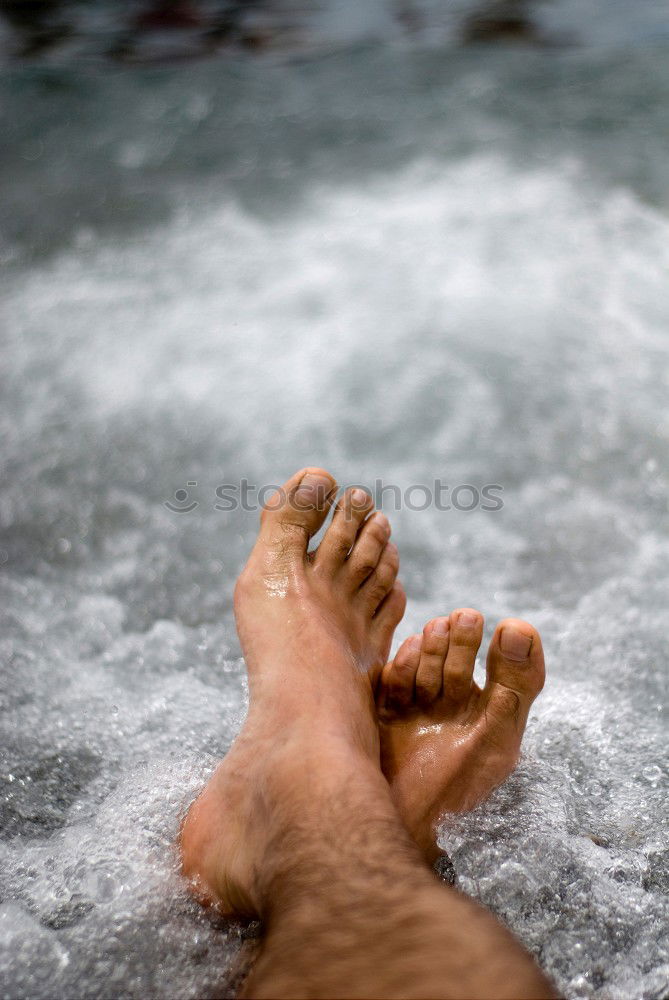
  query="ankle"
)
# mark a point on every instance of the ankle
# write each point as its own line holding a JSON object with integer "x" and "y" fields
{"x": 334, "y": 731}
{"x": 310, "y": 836}
{"x": 301, "y": 777}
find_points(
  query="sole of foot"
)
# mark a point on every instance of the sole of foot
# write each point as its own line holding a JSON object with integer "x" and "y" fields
{"x": 312, "y": 625}
{"x": 445, "y": 742}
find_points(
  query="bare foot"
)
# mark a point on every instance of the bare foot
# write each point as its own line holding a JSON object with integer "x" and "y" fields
{"x": 445, "y": 743}
{"x": 311, "y": 626}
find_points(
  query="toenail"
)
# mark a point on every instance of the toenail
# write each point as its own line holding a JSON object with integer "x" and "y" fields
{"x": 467, "y": 619}
{"x": 514, "y": 644}
{"x": 415, "y": 643}
{"x": 441, "y": 627}
{"x": 360, "y": 499}
{"x": 312, "y": 491}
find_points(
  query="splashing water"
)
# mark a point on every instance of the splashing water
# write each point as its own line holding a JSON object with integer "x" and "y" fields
{"x": 465, "y": 304}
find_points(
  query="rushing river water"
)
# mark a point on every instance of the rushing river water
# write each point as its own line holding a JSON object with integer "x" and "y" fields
{"x": 408, "y": 261}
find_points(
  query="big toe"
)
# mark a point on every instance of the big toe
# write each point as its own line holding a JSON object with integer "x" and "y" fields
{"x": 297, "y": 510}
{"x": 515, "y": 669}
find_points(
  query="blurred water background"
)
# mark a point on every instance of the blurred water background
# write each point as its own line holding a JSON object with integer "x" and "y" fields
{"x": 410, "y": 240}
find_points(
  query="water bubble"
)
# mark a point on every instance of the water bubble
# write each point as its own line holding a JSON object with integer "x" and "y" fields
{"x": 653, "y": 774}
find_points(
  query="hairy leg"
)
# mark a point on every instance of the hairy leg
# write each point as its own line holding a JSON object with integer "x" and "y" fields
{"x": 298, "y": 825}
{"x": 352, "y": 910}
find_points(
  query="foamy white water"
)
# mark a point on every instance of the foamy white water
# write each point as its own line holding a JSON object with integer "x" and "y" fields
{"x": 465, "y": 317}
